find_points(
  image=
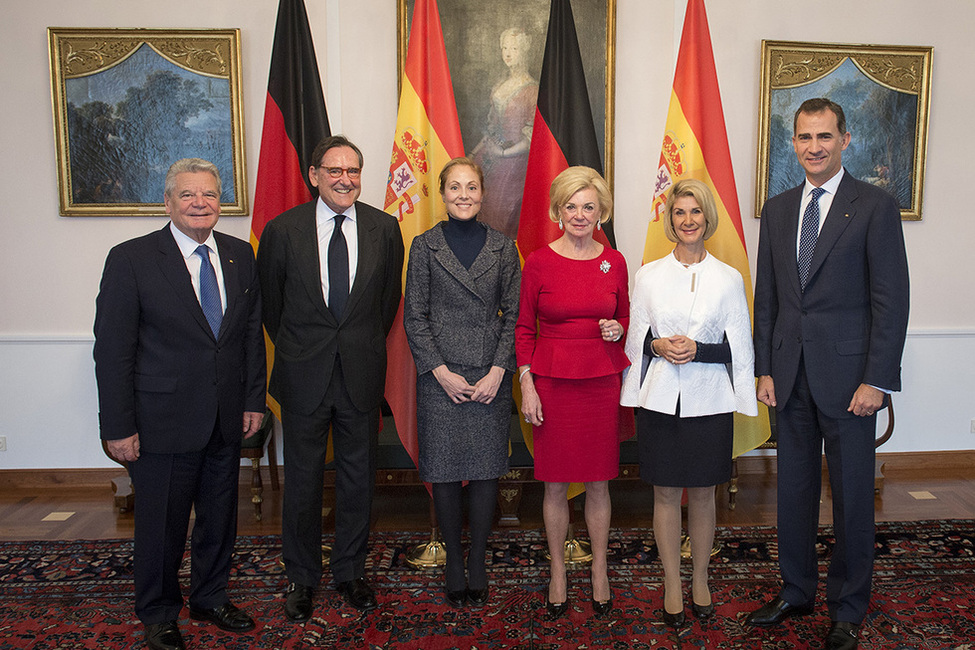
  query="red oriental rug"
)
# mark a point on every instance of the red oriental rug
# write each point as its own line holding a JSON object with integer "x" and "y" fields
{"x": 73, "y": 595}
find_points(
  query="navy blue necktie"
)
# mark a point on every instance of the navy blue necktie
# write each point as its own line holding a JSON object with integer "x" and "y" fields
{"x": 809, "y": 235}
{"x": 209, "y": 290}
{"x": 338, "y": 269}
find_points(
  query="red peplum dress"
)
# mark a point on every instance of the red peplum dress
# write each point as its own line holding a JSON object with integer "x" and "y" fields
{"x": 576, "y": 373}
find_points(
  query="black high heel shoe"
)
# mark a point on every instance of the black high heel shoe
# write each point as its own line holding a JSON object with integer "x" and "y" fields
{"x": 602, "y": 608}
{"x": 456, "y": 598}
{"x": 675, "y": 621}
{"x": 477, "y": 597}
{"x": 702, "y": 612}
{"x": 556, "y": 610}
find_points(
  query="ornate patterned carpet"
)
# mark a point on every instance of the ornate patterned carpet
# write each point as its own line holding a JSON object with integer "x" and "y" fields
{"x": 69, "y": 595}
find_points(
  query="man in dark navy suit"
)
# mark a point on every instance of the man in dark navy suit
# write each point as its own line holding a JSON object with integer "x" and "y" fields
{"x": 831, "y": 310}
{"x": 179, "y": 359}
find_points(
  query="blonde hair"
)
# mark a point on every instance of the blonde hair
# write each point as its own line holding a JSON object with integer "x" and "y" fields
{"x": 573, "y": 180}
{"x": 705, "y": 200}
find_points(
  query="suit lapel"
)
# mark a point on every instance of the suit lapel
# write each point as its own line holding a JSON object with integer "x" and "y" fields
{"x": 173, "y": 268}
{"x": 841, "y": 213}
{"x": 791, "y": 234}
{"x": 446, "y": 258}
{"x": 367, "y": 256}
{"x": 305, "y": 243}
{"x": 231, "y": 278}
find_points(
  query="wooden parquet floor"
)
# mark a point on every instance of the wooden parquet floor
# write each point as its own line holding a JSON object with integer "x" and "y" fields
{"x": 67, "y": 512}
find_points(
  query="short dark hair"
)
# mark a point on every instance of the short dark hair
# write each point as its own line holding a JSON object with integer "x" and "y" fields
{"x": 818, "y": 105}
{"x": 331, "y": 142}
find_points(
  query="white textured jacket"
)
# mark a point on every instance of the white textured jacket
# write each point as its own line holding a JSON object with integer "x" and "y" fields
{"x": 706, "y": 302}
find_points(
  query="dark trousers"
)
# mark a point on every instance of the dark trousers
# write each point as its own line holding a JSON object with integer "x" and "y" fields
{"x": 355, "y": 437}
{"x": 802, "y": 432}
{"x": 167, "y": 487}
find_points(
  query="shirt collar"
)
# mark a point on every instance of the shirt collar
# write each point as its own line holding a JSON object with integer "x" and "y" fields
{"x": 323, "y": 213}
{"x": 188, "y": 245}
{"x": 829, "y": 186}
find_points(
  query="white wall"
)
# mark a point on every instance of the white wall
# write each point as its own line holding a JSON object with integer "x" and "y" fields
{"x": 51, "y": 265}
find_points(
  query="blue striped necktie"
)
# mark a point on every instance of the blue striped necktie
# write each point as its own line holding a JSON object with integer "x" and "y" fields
{"x": 809, "y": 235}
{"x": 209, "y": 290}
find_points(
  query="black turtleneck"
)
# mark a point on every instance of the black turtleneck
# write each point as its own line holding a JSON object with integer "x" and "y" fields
{"x": 465, "y": 238}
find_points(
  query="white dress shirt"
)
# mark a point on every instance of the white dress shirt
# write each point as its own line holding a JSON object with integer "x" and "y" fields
{"x": 325, "y": 224}
{"x": 825, "y": 202}
{"x": 187, "y": 247}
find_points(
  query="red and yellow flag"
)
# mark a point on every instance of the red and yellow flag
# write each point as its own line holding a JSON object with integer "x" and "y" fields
{"x": 696, "y": 146}
{"x": 427, "y": 137}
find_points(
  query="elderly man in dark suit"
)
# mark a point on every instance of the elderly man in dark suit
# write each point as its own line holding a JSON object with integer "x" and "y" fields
{"x": 331, "y": 275}
{"x": 180, "y": 365}
{"x": 831, "y": 309}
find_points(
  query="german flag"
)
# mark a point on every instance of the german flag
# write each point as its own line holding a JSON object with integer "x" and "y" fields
{"x": 563, "y": 134}
{"x": 294, "y": 122}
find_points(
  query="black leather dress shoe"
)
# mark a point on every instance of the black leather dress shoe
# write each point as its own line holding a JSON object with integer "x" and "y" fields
{"x": 226, "y": 617}
{"x": 164, "y": 636}
{"x": 675, "y": 621}
{"x": 456, "y": 598}
{"x": 842, "y": 636}
{"x": 477, "y": 597}
{"x": 359, "y": 594}
{"x": 297, "y": 602}
{"x": 776, "y": 611}
{"x": 702, "y": 612}
{"x": 556, "y": 610}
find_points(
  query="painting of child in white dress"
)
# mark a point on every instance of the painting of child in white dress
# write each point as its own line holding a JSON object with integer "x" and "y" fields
{"x": 503, "y": 150}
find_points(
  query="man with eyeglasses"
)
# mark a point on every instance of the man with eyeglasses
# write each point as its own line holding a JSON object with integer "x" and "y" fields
{"x": 331, "y": 273}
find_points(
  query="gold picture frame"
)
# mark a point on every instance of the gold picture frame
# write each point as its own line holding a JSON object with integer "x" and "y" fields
{"x": 472, "y": 33}
{"x": 885, "y": 92}
{"x": 128, "y": 103}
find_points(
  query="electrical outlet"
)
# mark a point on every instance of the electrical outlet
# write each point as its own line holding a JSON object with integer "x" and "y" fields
{"x": 3, "y": 439}
{"x": 973, "y": 426}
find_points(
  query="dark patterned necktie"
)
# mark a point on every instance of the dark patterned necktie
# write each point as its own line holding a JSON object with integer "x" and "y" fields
{"x": 338, "y": 269}
{"x": 209, "y": 290}
{"x": 809, "y": 235}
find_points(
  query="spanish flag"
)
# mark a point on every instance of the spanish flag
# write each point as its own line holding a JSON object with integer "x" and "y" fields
{"x": 696, "y": 146}
{"x": 427, "y": 137}
{"x": 294, "y": 122}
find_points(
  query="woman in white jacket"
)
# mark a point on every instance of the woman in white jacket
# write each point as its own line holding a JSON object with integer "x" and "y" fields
{"x": 692, "y": 367}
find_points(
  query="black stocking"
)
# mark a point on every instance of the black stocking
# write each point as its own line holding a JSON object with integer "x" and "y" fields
{"x": 450, "y": 518}
{"x": 483, "y": 497}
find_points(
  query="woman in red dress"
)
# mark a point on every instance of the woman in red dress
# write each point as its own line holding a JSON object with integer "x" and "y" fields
{"x": 573, "y": 315}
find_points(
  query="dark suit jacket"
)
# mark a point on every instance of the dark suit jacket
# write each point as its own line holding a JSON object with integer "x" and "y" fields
{"x": 161, "y": 372}
{"x": 850, "y": 324}
{"x": 307, "y": 337}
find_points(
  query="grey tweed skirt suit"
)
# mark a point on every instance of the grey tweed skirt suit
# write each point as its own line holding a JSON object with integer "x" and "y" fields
{"x": 464, "y": 319}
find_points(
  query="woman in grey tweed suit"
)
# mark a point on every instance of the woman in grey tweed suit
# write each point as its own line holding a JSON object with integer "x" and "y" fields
{"x": 461, "y": 305}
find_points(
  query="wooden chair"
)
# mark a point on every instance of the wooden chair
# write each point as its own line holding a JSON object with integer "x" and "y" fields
{"x": 253, "y": 448}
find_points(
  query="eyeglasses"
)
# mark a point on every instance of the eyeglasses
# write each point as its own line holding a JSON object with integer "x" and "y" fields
{"x": 336, "y": 172}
